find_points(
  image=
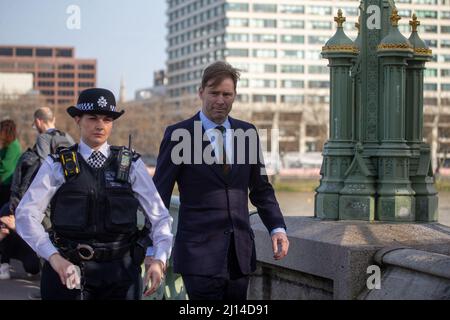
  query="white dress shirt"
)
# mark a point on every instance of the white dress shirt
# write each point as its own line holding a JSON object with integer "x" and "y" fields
{"x": 50, "y": 177}
{"x": 209, "y": 127}
{"x": 227, "y": 136}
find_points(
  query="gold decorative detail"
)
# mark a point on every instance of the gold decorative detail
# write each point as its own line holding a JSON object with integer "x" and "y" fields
{"x": 423, "y": 51}
{"x": 394, "y": 46}
{"x": 414, "y": 23}
{"x": 340, "y": 48}
{"x": 340, "y": 19}
{"x": 395, "y": 17}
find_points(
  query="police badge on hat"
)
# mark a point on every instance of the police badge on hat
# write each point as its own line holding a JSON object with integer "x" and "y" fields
{"x": 95, "y": 101}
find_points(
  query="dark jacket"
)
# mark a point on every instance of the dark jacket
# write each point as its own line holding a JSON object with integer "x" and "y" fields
{"x": 213, "y": 204}
{"x": 46, "y": 143}
{"x": 30, "y": 162}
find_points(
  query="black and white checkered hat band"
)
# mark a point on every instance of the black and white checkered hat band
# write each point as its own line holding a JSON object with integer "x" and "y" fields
{"x": 90, "y": 107}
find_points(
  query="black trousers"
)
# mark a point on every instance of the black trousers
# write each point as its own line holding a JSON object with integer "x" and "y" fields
{"x": 230, "y": 284}
{"x": 14, "y": 247}
{"x": 113, "y": 280}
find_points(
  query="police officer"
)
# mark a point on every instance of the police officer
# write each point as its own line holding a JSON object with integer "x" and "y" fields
{"x": 94, "y": 190}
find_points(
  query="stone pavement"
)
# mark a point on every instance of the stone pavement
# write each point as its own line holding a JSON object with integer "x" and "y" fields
{"x": 24, "y": 287}
{"x": 20, "y": 286}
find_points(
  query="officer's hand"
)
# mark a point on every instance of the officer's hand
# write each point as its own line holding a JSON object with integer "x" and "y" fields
{"x": 9, "y": 221}
{"x": 67, "y": 272}
{"x": 154, "y": 270}
{"x": 280, "y": 245}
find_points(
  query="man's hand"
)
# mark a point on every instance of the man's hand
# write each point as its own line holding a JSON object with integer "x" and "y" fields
{"x": 9, "y": 221}
{"x": 280, "y": 245}
{"x": 154, "y": 271}
{"x": 67, "y": 272}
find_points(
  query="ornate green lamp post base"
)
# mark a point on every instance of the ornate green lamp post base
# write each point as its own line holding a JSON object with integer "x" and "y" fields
{"x": 423, "y": 184}
{"x": 396, "y": 208}
{"x": 427, "y": 208}
{"x": 360, "y": 207}
{"x": 376, "y": 166}
{"x": 357, "y": 198}
{"x": 337, "y": 158}
{"x": 421, "y": 173}
{"x": 338, "y": 151}
{"x": 327, "y": 206}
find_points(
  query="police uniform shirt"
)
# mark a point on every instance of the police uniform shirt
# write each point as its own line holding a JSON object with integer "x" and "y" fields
{"x": 50, "y": 177}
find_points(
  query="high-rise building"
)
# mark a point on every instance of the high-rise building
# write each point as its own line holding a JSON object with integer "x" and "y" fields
{"x": 57, "y": 74}
{"x": 278, "y": 44}
{"x": 159, "y": 78}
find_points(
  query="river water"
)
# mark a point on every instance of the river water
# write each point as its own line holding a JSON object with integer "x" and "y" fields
{"x": 302, "y": 204}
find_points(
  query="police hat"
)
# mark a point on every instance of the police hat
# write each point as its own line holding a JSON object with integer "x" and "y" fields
{"x": 95, "y": 101}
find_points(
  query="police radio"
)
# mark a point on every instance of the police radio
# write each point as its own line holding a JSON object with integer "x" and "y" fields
{"x": 124, "y": 162}
{"x": 69, "y": 163}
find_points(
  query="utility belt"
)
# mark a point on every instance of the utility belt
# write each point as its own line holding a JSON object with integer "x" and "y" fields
{"x": 77, "y": 252}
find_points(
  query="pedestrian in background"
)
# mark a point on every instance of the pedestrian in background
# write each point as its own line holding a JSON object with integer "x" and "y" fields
{"x": 9, "y": 155}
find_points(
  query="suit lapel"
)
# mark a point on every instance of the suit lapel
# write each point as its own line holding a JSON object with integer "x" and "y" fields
{"x": 234, "y": 167}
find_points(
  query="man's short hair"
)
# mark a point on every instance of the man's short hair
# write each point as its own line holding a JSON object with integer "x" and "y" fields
{"x": 45, "y": 114}
{"x": 217, "y": 72}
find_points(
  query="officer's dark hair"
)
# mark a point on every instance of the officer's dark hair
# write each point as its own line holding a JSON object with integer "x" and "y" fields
{"x": 45, "y": 114}
{"x": 8, "y": 131}
{"x": 218, "y": 71}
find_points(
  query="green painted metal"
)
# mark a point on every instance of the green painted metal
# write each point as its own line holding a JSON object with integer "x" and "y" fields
{"x": 376, "y": 165}
{"x": 338, "y": 151}
{"x": 172, "y": 287}
{"x": 421, "y": 172}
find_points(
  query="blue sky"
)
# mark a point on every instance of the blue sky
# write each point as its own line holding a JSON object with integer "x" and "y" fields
{"x": 126, "y": 37}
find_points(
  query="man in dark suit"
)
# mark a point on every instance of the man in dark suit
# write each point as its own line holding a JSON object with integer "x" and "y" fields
{"x": 214, "y": 249}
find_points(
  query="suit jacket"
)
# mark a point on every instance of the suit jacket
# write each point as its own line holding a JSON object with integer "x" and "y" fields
{"x": 212, "y": 204}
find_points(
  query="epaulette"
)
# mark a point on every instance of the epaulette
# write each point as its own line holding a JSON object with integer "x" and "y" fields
{"x": 136, "y": 156}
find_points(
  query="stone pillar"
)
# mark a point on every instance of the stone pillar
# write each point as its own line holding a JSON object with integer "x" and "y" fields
{"x": 421, "y": 174}
{"x": 396, "y": 200}
{"x": 338, "y": 151}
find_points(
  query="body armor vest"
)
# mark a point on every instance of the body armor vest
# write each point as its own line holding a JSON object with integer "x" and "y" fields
{"x": 94, "y": 206}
